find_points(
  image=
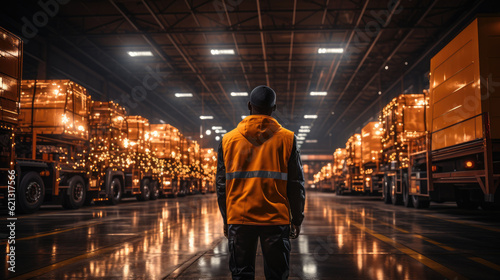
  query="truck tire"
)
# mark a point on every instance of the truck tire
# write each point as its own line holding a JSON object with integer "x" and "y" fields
{"x": 386, "y": 190}
{"x": 420, "y": 202}
{"x": 396, "y": 198}
{"x": 407, "y": 199}
{"x": 74, "y": 197}
{"x": 145, "y": 190}
{"x": 30, "y": 193}
{"x": 155, "y": 190}
{"x": 115, "y": 192}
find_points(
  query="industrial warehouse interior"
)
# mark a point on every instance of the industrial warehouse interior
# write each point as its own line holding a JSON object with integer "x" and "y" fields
{"x": 118, "y": 120}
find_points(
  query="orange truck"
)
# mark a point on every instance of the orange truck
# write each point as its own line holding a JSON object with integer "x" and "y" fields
{"x": 402, "y": 121}
{"x": 353, "y": 176}
{"x": 11, "y": 62}
{"x": 459, "y": 158}
{"x": 338, "y": 170}
{"x": 371, "y": 157}
{"x": 164, "y": 141}
{"x": 52, "y": 143}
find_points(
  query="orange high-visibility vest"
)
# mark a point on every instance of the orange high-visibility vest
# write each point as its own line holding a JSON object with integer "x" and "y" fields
{"x": 256, "y": 156}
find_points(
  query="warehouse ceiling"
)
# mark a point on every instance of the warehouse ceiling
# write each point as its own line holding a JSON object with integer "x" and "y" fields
{"x": 385, "y": 48}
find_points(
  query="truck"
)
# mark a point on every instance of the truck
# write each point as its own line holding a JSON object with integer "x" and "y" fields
{"x": 353, "y": 176}
{"x": 371, "y": 157}
{"x": 51, "y": 142}
{"x": 459, "y": 157}
{"x": 338, "y": 172}
{"x": 164, "y": 141}
{"x": 11, "y": 62}
{"x": 209, "y": 169}
{"x": 402, "y": 121}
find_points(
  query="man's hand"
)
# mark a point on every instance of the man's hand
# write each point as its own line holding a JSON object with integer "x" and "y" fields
{"x": 225, "y": 231}
{"x": 294, "y": 231}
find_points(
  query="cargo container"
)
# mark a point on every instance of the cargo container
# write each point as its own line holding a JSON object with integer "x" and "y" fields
{"x": 353, "y": 176}
{"x": 323, "y": 179}
{"x": 459, "y": 159}
{"x": 338, "y": 172}
{"x": 11, "y": 61}
{"x": 51, "y": 143}
{"x": 371, "y": 157}
{"x": 402, "y": 120}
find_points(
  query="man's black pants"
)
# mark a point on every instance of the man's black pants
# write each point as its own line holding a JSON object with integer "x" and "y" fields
{"x": 275, "y": 246}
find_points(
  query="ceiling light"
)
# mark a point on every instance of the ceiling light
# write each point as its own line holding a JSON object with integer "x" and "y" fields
{"x": 330, "y": 50}
{"x": 305, "y": 126}
{"x": 221, "y": 51}
{"x": 239, "y": 93}
{"x": 386, "y": 67}
{"x": 379, "y": 92}
{"x": 242, "y": 117}
{"x": 302, "y": 134}
{"x": 208, "y": 132}
{"x": 185, "y": 94}
{"x": 143, "y": 53}
{"x": 304, "y": 130}
{"x": 318, "y": 93}
{"x": 301, "y": 138}
{"x": 310, "y": 116}
{"x": 220, "y": 131}
{"x": 300, "y": 142}
{"x": 216, "y": 127}
{"x": 312, "y": 141}
{"x": 217, "y": 138}
{"x": 406, "y": 62}
{"x": 201, "y": 135}
{"x": 207, "y": 117}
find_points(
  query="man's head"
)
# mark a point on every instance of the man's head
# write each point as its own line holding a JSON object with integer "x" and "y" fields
{"x": 262, "y": 101}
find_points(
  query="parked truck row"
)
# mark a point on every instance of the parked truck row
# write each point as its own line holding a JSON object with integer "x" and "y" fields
{"x": 439, "y": 145}
{"x": 67, "y": 148}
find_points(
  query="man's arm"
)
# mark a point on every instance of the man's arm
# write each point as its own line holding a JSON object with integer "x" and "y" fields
{"x": 295, "y": 186}
{"x": 221, "y": 183}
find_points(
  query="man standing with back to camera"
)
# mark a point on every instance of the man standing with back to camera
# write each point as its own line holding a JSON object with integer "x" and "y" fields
{"x": 260, "y": 189}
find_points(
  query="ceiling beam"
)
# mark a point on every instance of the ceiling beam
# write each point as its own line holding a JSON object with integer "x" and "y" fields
{"x": 264, "y": 56}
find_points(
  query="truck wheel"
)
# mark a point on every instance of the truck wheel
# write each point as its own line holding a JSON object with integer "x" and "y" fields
{"x": 115, "y": 192}
{"x": 407, "y": 199}
{"x": 464, "y": 201}
{"x": 420, "y": 202}
{"x": 145, "y": 191}
{"x": 74, "y": 197}
{"x": 396, "y": 199}
{"x": 155, "y": 191}
{"x": 30, "y": 193}
{"x": 386, "y": 190}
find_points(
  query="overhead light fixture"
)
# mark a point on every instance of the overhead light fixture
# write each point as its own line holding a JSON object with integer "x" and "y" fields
{"x": 330, "y": 50}
{"x": 301, "y": 138}
{"x": 379, "y": 92}
{"x": 216, "y": 127}
{"x": 304, "y": 130}
{"x": 183, "y": 94}
{"x": 386, "y": 67}
{"x": 318, "y": 93}
{"x": 220, "y": 131}
{"x": 208, "y": 132}
{"x": 217, "y": 138}
{"x": 221, "y": 51}
{"x": 312, "y": 141}
{"x": 305, "y": 126}
{"x": 242, "y": 117}
{"x": 310, "y": 116}
{"x": 207, "y": 117}
{"x": 300, "y": 142}
{"x": 302, "y": 134}
{"x": 239, "y": 93}
{"x": 141, "y": 53}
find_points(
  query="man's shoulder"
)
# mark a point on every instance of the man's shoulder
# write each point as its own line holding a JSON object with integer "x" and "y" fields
{"x": 286, "y": 132}
{"x": 231, "y": 134}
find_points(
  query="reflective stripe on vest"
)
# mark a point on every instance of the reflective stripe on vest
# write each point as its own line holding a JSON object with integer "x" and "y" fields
{"x": 257, "y": 174}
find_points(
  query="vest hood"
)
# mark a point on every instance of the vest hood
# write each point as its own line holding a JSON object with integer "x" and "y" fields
{"x": 257, "y": 129}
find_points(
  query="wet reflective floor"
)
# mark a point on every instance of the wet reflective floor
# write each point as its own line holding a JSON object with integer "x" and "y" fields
{"x": 351, "y": 237}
